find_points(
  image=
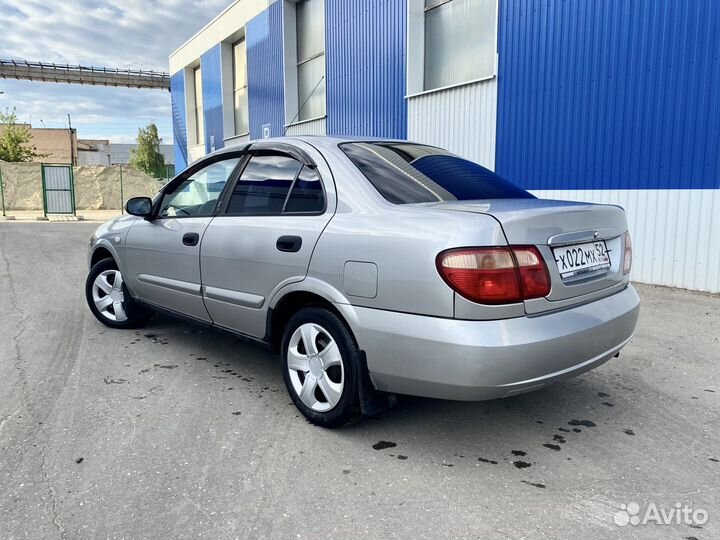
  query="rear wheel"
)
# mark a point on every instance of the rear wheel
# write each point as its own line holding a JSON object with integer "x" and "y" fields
{"x": 320, "y": 367}
{"x": 109, "y": 300}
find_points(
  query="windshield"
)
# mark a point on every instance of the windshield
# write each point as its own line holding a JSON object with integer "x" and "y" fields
{"x": 406, "y": 173}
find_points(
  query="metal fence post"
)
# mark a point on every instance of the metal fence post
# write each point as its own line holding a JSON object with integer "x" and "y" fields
{"x": 122, "y": 195}
{"x": 2, "y": 194}
{"x": 72, "y": 190}
{"x": 42, "y": 176}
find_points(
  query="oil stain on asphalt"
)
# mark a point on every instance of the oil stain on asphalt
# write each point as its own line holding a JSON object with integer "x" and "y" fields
{"x": 382, "y": 445}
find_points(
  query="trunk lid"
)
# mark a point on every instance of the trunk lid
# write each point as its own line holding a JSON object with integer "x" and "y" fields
{"x": 553, "y": 225}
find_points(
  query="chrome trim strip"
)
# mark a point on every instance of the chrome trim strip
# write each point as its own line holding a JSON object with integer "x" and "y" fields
{"x": 583, "y": 236}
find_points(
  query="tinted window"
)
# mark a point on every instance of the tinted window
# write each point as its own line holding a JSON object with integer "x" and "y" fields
{"x": 406, "y": 173}
{"x": 264, "y": 185}
{"x": 198, "y": 194}
{"x": 307, "y": 193}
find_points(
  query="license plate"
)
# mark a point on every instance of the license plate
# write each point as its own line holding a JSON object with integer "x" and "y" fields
{"x": 581, "y": 258}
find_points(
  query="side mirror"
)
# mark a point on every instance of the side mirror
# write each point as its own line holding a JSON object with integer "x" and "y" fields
{"x": 139, "y": 206}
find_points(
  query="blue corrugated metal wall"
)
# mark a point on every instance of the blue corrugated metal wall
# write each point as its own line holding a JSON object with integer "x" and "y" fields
{"x": 266, "y": 93}
{"x": 177, "y": 98}
{"x": 609, "y": 94}
{"x": 211, "y": 72}
{"x": 365, "y": 42}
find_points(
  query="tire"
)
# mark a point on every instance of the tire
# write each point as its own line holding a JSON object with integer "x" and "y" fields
{"x": 322, "y": 380}
{"x": 119, "y": 310}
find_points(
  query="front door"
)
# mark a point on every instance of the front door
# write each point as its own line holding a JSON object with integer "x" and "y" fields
{"x": 163, "y": 254}
{"x": 263, "y": 238}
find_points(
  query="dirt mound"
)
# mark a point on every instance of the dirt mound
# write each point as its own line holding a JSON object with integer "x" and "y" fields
{"x": 97, "y": 187}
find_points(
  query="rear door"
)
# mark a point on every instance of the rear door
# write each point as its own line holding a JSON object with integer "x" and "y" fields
{"x": 163, "y": 254}
{"x": 264, "y": 237}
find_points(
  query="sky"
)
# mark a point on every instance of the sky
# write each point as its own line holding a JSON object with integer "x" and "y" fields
{"x": 135, "y": 34}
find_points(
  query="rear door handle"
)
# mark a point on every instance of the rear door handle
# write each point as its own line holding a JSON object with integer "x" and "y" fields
{"x": 191, "y": 239}
{"x": 289, "y": 243}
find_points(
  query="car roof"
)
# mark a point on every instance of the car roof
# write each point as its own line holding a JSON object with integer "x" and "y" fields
{"x": 320, "y": 141}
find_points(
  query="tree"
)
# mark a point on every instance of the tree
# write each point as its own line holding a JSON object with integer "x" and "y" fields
{"x": 146, "y": 156}
{"x": 15, "y": 140}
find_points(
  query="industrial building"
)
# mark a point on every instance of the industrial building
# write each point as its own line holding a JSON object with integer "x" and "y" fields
{"x": 606, "y": 101}
{"x": 105, "y": 152}
{"x": 55, "y": 145}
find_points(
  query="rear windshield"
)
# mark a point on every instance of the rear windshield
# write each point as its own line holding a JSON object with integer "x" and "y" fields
{"x": 406, "y": 173}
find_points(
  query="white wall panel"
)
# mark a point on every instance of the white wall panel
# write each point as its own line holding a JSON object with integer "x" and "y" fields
{"x": 310, "y": 127}
{"x": 461, "y": 119}
{"x": 195, "y": 152}
{"x": 675, "y": 232}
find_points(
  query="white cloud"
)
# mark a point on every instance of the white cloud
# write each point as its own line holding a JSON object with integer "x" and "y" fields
{"x": 137, "y": 34}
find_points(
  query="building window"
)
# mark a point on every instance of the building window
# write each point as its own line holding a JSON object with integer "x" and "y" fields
{"x": 459, "y": 41}
{"x": 199, "y": 121}
{"x": 310, "y": 31}
{"x": 240, "y": 88}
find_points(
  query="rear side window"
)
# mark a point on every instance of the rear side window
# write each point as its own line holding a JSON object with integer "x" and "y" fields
{"x": 275, "y": 184}
{"x": 307, "y": 193}
{"x": 264, "y": 185}
{"x": 406, "y": 173}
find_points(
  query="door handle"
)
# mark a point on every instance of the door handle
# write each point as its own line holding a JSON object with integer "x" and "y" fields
{"x": 289, "y": 243}
{"x": 191, "y": 239}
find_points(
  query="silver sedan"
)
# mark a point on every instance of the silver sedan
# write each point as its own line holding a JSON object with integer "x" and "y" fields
{"x": 376, "y": 268}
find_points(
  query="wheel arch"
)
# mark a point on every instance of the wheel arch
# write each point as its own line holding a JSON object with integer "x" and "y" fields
{"x": 100, "y": 253}
{"x": 287, "y": 305}
{"x": 320, "y": 294}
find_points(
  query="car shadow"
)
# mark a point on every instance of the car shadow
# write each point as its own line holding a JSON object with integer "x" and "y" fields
{"x": 552, "y": 419}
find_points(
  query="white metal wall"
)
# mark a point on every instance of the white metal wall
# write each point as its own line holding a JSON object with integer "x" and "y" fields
{"x": 675, "y": 232}
{"x": 461, "y": 119}
{"x": 311, "y": 127}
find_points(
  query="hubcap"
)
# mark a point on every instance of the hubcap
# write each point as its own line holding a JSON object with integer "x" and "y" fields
{"x": 315, "y": 367}
{"x": 108, "y": 296}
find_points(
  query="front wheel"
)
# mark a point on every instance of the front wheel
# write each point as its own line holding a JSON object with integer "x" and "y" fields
{"x": 320, "y": 368}
{"x": 109, "y": 300}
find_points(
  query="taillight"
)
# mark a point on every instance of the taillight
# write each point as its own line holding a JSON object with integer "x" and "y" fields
{"x": 495, "y": 275}
{"x": 534, "y": 276}
{"x": 627, "y": 256}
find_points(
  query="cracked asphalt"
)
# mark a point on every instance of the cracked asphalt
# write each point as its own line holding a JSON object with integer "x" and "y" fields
{"x": 175, "y": 431}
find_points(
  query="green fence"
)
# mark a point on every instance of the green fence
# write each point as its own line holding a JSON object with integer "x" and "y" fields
{"x": 2, "y": 194}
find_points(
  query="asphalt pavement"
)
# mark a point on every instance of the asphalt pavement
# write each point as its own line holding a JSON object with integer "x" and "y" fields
{"x": 177, "y": 431}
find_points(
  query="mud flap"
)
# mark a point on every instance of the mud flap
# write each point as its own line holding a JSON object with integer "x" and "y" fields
{"x": 372, "y": 401}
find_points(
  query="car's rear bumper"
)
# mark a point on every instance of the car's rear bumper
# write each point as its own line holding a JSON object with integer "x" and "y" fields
{"x": 476, "y": 360}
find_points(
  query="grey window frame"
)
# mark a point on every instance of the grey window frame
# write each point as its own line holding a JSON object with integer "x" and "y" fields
{"x": 430, "y": 5}
{"x": 198, "y": 107}
{"x": 301, "y": 62}
{"x": 235, "y": 89}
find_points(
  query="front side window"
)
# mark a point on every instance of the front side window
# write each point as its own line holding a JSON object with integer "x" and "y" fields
{"x": 199, "y": 120}
{"x": 310, "y": 31}
{"x": 273, "y": 184}
{"x": 198, "y": 194}
{"x": 459, "y": 41}
{"x": 406, "y": 173}
{"x": 240, "y": 88}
